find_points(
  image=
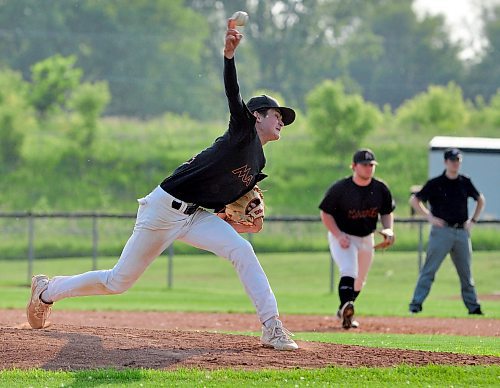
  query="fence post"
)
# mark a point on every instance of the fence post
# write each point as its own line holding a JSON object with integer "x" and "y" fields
{"x": 95, "y": 242}
{"x": 420, "y": 245}
{"x": 31, "y": 246}
{"x": 170, "y": 265}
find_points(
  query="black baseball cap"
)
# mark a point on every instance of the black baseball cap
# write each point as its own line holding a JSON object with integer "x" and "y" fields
{"x": 364, "y": 155}
{"x": 263, "y": 101}
{"x": 452, "y": 154}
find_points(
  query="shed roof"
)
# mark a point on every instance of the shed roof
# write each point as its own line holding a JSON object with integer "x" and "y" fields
{"x": 466, "y": 144}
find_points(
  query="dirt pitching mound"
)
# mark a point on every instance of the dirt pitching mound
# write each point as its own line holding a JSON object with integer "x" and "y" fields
{"x": 89, "y": 340}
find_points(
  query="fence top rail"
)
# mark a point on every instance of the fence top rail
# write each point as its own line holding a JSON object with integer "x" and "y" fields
{"x": 66, "y": 215}
{"x": 291, "y": 218}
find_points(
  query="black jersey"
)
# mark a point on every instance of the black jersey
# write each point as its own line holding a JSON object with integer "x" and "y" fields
{"x": 231, "y": 166}
{"x": 448, "y": 197}
{"x": 356, "y": 208}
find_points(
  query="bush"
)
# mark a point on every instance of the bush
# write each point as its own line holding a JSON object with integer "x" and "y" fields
{"x": 439, "y": 109}
{"x": 339, "y": 121}
{"x": 16, "y": 118}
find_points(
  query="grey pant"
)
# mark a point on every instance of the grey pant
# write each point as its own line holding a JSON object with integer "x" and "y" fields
{"x": 444, "y": 240}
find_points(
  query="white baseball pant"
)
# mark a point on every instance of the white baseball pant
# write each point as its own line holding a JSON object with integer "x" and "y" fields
{"x": 157, "y": 226}
{"x": 354, "y": 261}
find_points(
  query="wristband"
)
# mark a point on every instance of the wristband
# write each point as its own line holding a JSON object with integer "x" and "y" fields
{"x": 473, "y": 220}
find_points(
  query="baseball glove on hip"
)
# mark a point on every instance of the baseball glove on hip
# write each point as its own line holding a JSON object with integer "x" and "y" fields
{"x": 247, "y": 208}
{"x": 388, "y": 239}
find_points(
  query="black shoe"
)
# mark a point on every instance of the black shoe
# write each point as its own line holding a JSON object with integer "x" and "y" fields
{"x": 476, "y": 311}
{"x": 415, "y": 308}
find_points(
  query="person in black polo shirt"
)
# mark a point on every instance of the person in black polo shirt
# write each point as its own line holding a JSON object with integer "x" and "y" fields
{"x": 176, "y": 210}
{"x": 350, "y": 211}
{"x": 447, "y": 196}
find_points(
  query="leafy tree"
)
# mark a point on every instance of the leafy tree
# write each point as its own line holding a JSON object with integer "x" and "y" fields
{"x": 484, "y": 77}
{"x": 88, "y": 102}
{"x": 493, "y": 110}
{"x": 16, "y": 118}
{"x": 165, "y": 55}
{"x": 33, "y": 30}
{"x": 376, "y": 47}
{"x": 53, "y": 80}
{"x": 439, "y": 108}
{"x": 297, "y": 44}
{"x": 150, "y": 52}
{"x": 486, "y": 117}
{"x": 340, "y": 121}
{"x": 411, "y": 55}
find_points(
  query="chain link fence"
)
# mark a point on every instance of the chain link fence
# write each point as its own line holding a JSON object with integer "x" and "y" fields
{"x": 35, "y": 236}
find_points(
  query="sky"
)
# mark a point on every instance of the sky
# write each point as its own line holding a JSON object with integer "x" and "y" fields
{"x": 462, "y": 18}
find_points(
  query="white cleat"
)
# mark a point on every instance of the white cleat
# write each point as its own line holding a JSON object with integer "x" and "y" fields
{"x": 36, "y": 310}
{"x": 277, "y": 337}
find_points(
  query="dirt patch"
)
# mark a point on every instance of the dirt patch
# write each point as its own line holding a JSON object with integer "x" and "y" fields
{"x": 470, "y": 326}
{"x": 86, "y": 340}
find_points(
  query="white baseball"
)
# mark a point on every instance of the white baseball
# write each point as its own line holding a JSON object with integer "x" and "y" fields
{"x": 240, "y": 17}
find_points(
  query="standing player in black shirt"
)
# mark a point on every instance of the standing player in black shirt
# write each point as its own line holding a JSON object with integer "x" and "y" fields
{"x": 447, "y": 195}
{"x": 350, "y": 211}
{"x": 175, "y": 210}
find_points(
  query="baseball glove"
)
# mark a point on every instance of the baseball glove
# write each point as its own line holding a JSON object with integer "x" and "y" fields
{"x": 388, "y": 239}
{"x": 247, "y": 208}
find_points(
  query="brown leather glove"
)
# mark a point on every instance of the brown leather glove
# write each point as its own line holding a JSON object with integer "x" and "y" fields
{"x": 388, "y": 239}
{"x": 247, "y": 208}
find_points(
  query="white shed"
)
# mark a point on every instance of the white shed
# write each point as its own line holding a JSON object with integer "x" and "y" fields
{"x": 481, "y": 162}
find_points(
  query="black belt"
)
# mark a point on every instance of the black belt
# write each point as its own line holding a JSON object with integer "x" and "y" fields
{"x": 456, "y": 226}
{"x": 190, "y": 207}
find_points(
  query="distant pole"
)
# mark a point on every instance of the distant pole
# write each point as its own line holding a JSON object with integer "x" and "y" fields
{"x": 170, "y": 265}
{"x": 420, "y": 245}
{"x": 95, "y": 242}
{"x": 31, "y": 246}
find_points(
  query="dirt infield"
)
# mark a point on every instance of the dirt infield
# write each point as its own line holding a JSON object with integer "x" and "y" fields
{"x": 86, "y": 340}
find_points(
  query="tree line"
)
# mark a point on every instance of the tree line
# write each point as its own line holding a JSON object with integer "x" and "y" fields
{"x": 160, "y": 56}
{"x": 62, "y": 146}
{"x": 58, "y": 152}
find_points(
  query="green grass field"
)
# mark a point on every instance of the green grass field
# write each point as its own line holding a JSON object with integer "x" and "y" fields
{"x": 429, "y": 376}
{"x": 301, "y": 282}
{"x": 302, "y": 286}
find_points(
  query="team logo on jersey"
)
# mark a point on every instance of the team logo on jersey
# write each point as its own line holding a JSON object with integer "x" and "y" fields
{"x": 354, "y": 214}
{"x": 243, "y": 173}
